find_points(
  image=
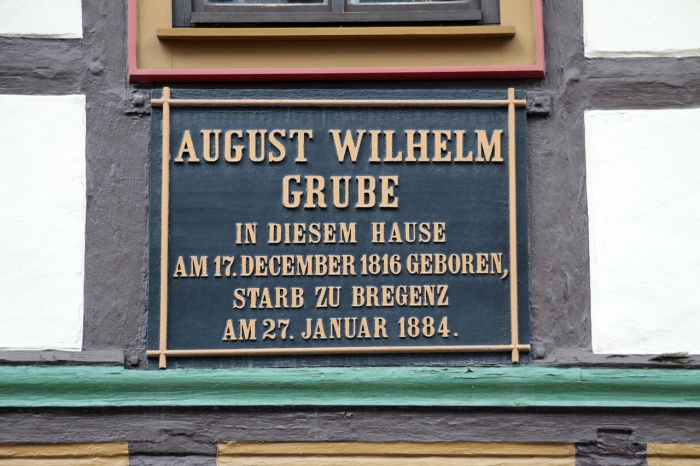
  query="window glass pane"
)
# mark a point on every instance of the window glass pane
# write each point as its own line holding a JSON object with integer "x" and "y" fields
{"x": 265, "y": 2}
{"x": 410, "y": 1}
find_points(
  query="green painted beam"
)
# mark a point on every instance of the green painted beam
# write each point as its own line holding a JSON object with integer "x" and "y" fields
{"x": 87, "y": 386}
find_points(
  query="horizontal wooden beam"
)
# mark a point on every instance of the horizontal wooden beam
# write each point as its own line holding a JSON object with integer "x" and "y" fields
{"x": 347, "y": 33}
{"x": 527, "y": 386}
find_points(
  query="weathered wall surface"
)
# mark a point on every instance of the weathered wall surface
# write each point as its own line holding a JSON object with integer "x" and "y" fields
{"x": 116, "y": 248}
{"x": 42, "y": 19}
{"x": 641, "y": 212}
{"x": 641, "y": 28}
{"x": 43, "y": 221}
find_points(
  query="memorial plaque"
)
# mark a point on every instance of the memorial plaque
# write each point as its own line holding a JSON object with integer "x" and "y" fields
{"x": 337, "y": 227}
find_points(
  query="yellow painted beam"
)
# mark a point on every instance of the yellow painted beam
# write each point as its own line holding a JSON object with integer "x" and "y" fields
{"x": 395, "y": 454}
{"x": 78, "y": 454}
{"x": 673, "y": 455}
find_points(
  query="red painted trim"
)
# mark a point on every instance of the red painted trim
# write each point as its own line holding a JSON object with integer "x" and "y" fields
{"x": 539, "y": 38}
{"x": 309, "y": 74}
{"x": 131, "y": 32}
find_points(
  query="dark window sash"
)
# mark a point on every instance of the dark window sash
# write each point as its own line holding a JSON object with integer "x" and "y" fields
{"x": 189, "y": 13}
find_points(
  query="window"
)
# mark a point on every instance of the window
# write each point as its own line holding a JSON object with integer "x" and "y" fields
{"x": 166, "y": 44}
{"x": 232, "y": 13}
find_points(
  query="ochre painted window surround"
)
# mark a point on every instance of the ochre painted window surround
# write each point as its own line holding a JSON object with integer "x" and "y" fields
{"x": 395, "y": 454}
{"x": 160, "y": 53}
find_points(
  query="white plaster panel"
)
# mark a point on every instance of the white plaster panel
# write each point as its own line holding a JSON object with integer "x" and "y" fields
{"x": 42, "y": 226}
{"x": 643, "y": 181}
{"x": 57, "y": 19}
{"x": 641, "y": 28}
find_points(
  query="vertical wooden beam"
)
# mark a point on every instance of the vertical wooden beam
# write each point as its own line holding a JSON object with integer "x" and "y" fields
{"x": 512, "y": 203}
{"x": 165, "y": 213}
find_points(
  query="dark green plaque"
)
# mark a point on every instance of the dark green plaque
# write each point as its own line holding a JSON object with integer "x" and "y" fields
{"x": 294, "y": 228}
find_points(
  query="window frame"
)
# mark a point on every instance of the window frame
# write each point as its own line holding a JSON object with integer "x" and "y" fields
{"x": 159, "y": 52}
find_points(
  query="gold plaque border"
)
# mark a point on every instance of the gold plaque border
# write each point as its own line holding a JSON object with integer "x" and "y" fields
{"x": 166, "y": 102}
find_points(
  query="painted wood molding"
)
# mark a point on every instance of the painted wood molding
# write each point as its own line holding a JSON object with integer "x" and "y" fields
{"x": 323, "y": 33}
{"x": 527, "y": 386}
{"x": 88, "y": 454}
{"x": 395, "y": 454}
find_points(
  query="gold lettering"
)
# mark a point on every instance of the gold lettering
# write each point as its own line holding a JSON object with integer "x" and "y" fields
{"x": 180, "y": 271}
{"x": 348, "y": 144}
{"x": 395, "y": 234}
{"x": 307, "y": 334}
{"x": 239, "y": 298}
{"x": 286, "y": 193}
{"x": 374, "y": 158}
{"x": 229, "y": 333}
{"x": 333, "y": 265}
{"x": 486, "y": 148}
{"x": 315, "y": 230}
{"x": 297, "y": 298}
{"x": 422, "y": 145}
{"x": 299, "y": 233}
{"x": 467, "y": 263}
{"x": 281, "y": 297}
{"x": 187, "y": 147}
{"x": 206, "y": 149}
{"x": 347, "y": 233}
{"x": 261, "y": 266}
{"x": 482, "y": 263}
{"x": 364, "y": 329}
{"x": 358, "y": 296}
{"x": 304, "y": 265}
{"x": 424, "y": 229}
{"x": 301, "y": 142}
{"x": 316, "y": 191}
{"x": 441, "y": 146}
{"x": 335, "y": 180}
{"x": 228, "y": 146}
{"x": 348, "y": 264}
{"x": 377, "y": 232}
{"x": 372, "y": 296}
{"x": 320, "y": 332}
{"x": 496, "y": 261}
{"x": 365, "y": 192}
{"x": 459, "y": 150}
{"x": 274, "y": 233}
{"x": 252, "y": 145}
{"x": 389, "y": 155}
{"x": 335, "y": 328}
{"x": 438, "y": 232}
{"x": 443, "y": 300}
{"x": 321, "y": 265}
{"x": 278, "y": 145}
{"x": 389, "y": 201}
{"x": 247, "y": 266}
{"x": 198, "y": 267}
{"x": 265, "y": 301}
{"x": 329, "y": 233}
{"x": 347, "y": 327}
{"x": 387, "y": 296}
{"x": 246, "y": 329}
{"x": 380, "y": 327}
